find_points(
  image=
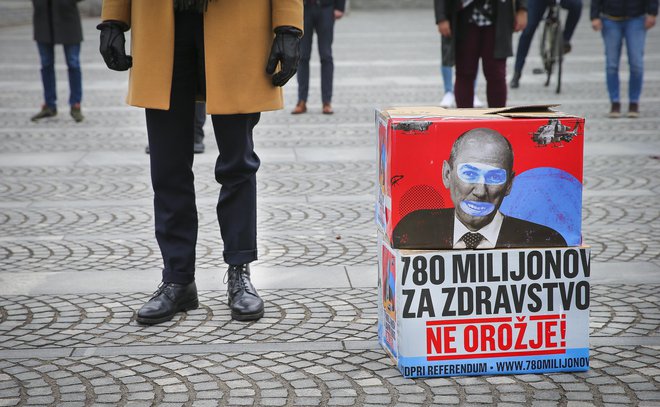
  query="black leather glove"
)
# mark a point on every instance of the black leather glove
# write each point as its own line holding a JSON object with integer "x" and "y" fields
{"x": 286, "y": 50}
{"x": 112, "y": 46}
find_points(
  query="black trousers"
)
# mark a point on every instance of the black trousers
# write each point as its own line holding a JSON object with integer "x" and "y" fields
{"x": 171, "y": 138}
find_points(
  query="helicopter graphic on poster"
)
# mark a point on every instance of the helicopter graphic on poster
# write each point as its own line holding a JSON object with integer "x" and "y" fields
{"x": 555, "y": 133}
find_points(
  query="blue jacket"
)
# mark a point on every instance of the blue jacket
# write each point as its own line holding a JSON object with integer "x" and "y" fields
{"x": 623, "y": 8}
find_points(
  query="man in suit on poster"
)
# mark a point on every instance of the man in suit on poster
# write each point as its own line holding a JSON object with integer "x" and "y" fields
{"x": 478, "y": 174}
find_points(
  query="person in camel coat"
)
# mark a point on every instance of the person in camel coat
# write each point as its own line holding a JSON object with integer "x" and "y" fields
{"x": 235, "y": 56}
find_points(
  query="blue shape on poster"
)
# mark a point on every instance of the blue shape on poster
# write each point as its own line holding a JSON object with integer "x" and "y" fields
{"x": 550, "y": 197}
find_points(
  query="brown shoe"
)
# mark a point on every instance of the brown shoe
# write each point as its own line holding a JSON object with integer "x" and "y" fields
{"x": 327, "y": 108}
{"x": 615, "y": 111}
{"x": 44, "y": 113}
{"x": 300, "y": 108}
{"x": 633, "y": 110}
{"x": 76, "y": 113}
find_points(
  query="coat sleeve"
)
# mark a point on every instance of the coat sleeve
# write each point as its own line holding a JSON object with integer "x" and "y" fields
{"x": 340, "y": 5}
{"x": 652, "y": 7}
{"x": 521, "y": 5}
{"x": 440, "y": 10}
{"x": 287, "y": 13}
{"x": 596, "y": 7}
{"x": 117, "y": 10}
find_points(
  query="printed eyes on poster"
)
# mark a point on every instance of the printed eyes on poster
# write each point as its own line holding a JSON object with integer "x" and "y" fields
{"x": 476, "y": 312}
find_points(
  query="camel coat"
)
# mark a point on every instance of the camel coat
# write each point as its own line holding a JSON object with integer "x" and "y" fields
{"x": 238, "y": 35}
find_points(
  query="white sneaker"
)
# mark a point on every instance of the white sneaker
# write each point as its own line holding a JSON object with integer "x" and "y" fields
{"x": 448, "y": 100}
{"x": 477, "y": 102}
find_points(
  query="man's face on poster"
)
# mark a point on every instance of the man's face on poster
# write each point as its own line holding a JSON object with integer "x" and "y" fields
{"x": 479, "y": 176}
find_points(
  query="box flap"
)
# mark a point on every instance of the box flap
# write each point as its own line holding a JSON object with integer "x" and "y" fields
{"x": 420, "y": 112}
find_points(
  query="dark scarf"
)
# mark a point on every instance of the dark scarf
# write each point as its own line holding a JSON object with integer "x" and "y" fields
{"x": 197, "y": 5}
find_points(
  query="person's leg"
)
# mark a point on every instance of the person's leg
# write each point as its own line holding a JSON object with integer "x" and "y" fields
{"x": 325, "y": 30}
{"x": 305, "y": 54}
{"x": 200, "y": 119}
{"x": 72, "y": 54}
{"x": 612, "y": 33}
{"x": 535, "y": 10}
{"x": 235, "y": 169}
{"x": 447, "y": 78}
{"x": 467, "y": 63}
{"x": 47, "y": 56}
{"x": 494, "y": 69}
{"x": 171, "y": 135}
{"x": 635, "y": 35}
{"x": 574, "y": 8}
{"x": 448, "y": 99}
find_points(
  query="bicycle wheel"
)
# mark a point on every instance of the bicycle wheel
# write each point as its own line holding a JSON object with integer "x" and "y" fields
{"x": 559, "y": 53}
{"x": 548, "y": 41}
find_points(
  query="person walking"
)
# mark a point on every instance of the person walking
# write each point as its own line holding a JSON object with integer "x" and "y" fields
{"x": 320, "y": 16}
{"x": 535, "y": 11}
{"x": 481, "y": 29}
{"x": 235, "y": 55}
{"x": 58, "y": 22}
{"x": 619, "y": 21}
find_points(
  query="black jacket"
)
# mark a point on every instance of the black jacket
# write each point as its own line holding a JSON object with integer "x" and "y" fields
{"x": 337, "y": 4}
{"x": 434, "y": 229}
{"x": 57, "y": 22}
{"x": 623, "y": 8}
{"x": 504, "y": 15}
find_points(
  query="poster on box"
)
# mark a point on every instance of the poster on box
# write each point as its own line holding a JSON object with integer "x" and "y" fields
{"x": 500, "y": 311}
{"x": 515, "y": 181}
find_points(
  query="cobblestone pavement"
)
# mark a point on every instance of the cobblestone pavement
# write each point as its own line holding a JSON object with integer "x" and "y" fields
{"x": 78, "y": 258}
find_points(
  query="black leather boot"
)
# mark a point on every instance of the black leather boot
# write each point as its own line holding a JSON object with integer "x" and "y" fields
{"x": 242, "y": 297}
{"x": 168, "y": 299}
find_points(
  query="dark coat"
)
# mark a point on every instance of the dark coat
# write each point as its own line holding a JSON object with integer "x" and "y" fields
{"x": 57, "y": 22}
{"x": 434, "y": 229}
{"x": 623, "y": 8}
{"x": 504, "y": 15}
{"x": 337, "y": 4}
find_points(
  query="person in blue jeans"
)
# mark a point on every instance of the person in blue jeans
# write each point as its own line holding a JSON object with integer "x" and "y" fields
{"x": 620, "y": 20}
{"x": 535, "y": 11}
{"x": 58, "y": 22}
{"x": 320, "y": 16}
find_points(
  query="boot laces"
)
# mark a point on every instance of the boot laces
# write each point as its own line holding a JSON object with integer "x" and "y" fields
{"x": 239, "y": 281}
{"x": 161, "y": 288}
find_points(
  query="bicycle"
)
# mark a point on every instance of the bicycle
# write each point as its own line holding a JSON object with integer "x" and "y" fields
{"x": 552, "y": 45}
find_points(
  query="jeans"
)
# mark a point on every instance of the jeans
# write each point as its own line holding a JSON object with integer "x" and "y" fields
{"x": 447, "y": 73}
{"x": 322, "y": 20}
{"x": 634, "y": 33}
{"x": 47, "y": 56}
{"x": 535, "y": 11}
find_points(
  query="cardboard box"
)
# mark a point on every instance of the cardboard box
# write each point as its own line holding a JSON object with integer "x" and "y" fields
{"x": 421, "y": 191}
{"x": 477, "y": 312}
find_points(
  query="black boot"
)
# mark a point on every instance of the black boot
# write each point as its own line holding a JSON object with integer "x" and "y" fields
{"x": 168, "y": 299}
{"x": 515, "y": 81}
{"x": 242, "y": 297}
